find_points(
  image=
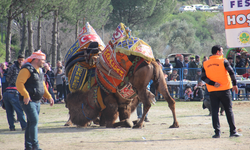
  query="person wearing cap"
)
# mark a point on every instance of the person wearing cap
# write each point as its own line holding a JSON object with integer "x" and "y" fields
{"x": 194, "y": 64}
{"x": 31, "y": 86}
{"x": 197, "y": 76}
{"x": 220, "y": 78}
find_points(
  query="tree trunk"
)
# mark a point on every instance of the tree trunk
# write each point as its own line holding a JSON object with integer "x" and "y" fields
{"x": 30, "y": 38}
{"x": 23, "y": 35}
{"x": 54, "y": 39}
{"x": 58, "y": 44}
{"x": 209, "y": 2}
{"x": 8, "y": 37}
{"x": 77, "y": 27}
{"x": 39, "y": 39}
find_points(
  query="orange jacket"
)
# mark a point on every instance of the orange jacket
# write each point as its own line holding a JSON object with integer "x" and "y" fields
{"x": 216, "y": 71}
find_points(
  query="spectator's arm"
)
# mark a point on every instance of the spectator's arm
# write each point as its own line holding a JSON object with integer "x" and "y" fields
{"x": 230, "y": 71}
{"x": 22, "y": 77}
{"x": 46, "y": 92}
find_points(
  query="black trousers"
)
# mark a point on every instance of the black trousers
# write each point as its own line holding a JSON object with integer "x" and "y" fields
{"x": 225, "y": 98}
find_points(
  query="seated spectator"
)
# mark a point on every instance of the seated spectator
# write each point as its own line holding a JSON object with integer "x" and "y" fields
{"x": 198, "y": 92}
{"x": 247, "y": 75}
{"x": 174, "y": 88}
{"x": 197, "y": 76}
{"x": 185, "y": 75}
{"x": 188, "y": 95}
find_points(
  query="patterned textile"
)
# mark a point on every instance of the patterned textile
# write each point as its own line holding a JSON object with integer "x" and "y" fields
{"x": 109, "y": 57}
{"x": 115, "y": 57}
{"x": 77, "y": 77}
{"x": 127, "y": 92}
{"x": 135, "y": 46}
{"x": 86, "y": 36}
{"x": 129, "y": 45}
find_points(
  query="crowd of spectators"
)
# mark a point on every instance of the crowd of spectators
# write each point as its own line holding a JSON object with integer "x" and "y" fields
{"x": 184, "y": 68}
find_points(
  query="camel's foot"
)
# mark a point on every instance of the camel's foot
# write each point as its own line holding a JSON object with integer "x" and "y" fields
{"x": 129, "y": 123}
{"x": 137, "y": 124}
{"x": 175, "y": 125}
{"x": 96, "y": 121}
{"x": 124, "y": 123}
{"x": 136, "y": 121}
{"x": 68, "y": 123}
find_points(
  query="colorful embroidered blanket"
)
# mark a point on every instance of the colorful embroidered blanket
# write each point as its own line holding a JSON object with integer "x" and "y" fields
{"x": 78, "y": 73}
{"x": 86, "y": 36}
{"x": 129, "y": 45}
{"x": 115, "y": 56}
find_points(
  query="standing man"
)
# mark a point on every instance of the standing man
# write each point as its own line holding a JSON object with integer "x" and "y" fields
{"x": 186, "y": 62}
{"x": 31, "y": 86}
{"x": 167, "y": 67}
{"x": 14, "y": 70}
{"x": 218, "y": 75}
{"x": 194, "y": 64}
{"x": 179, "y": 63}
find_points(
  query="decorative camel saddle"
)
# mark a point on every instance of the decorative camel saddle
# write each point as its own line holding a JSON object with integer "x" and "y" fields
{"x": 89, "y": 64}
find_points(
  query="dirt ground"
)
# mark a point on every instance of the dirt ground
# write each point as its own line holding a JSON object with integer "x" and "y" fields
{"x": 195, "y": 131}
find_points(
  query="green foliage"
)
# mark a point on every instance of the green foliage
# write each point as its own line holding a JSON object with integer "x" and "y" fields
{"x": 140, "y": 13}
{"x": 14, "y": 39}
{"x": 93, "y": 11}
{"x": 2, "y": 52}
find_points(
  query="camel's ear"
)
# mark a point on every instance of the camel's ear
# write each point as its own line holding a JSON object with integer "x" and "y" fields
{"x": 93, "y": 45}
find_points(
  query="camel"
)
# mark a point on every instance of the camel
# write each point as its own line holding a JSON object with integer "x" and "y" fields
{"x": 83, "y": 108}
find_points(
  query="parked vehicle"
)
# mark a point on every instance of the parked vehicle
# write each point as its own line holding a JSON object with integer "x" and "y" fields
{"x": 204, "y": 8}
{"x": 215, "y": 7}
{"x": 196, "y": 6}
{"x": 220, "y": 7}
{"x": 186, "y": 8}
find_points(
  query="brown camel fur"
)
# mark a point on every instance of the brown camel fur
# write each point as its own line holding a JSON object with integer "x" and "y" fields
{"x": 83, "y": 109}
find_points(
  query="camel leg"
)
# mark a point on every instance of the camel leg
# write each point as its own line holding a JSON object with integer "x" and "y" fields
{"x": 171, "y": 102}
{"x": 110, "y": 113}
{"x": 68, "y": 123}
{"x": 146, "y": 106}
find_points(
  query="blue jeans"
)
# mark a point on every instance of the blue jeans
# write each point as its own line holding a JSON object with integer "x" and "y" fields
{"x": 31, "y": 133}
{"x": 139, "y": 110}
{"x": 11, "y": 102}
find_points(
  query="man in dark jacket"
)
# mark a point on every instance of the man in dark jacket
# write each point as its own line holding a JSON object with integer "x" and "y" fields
{"x": 179, "y": 63}
{"x": 193, "y": 65}
{"x": 31, "y": 86}
{"x": 14, "y": 70}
